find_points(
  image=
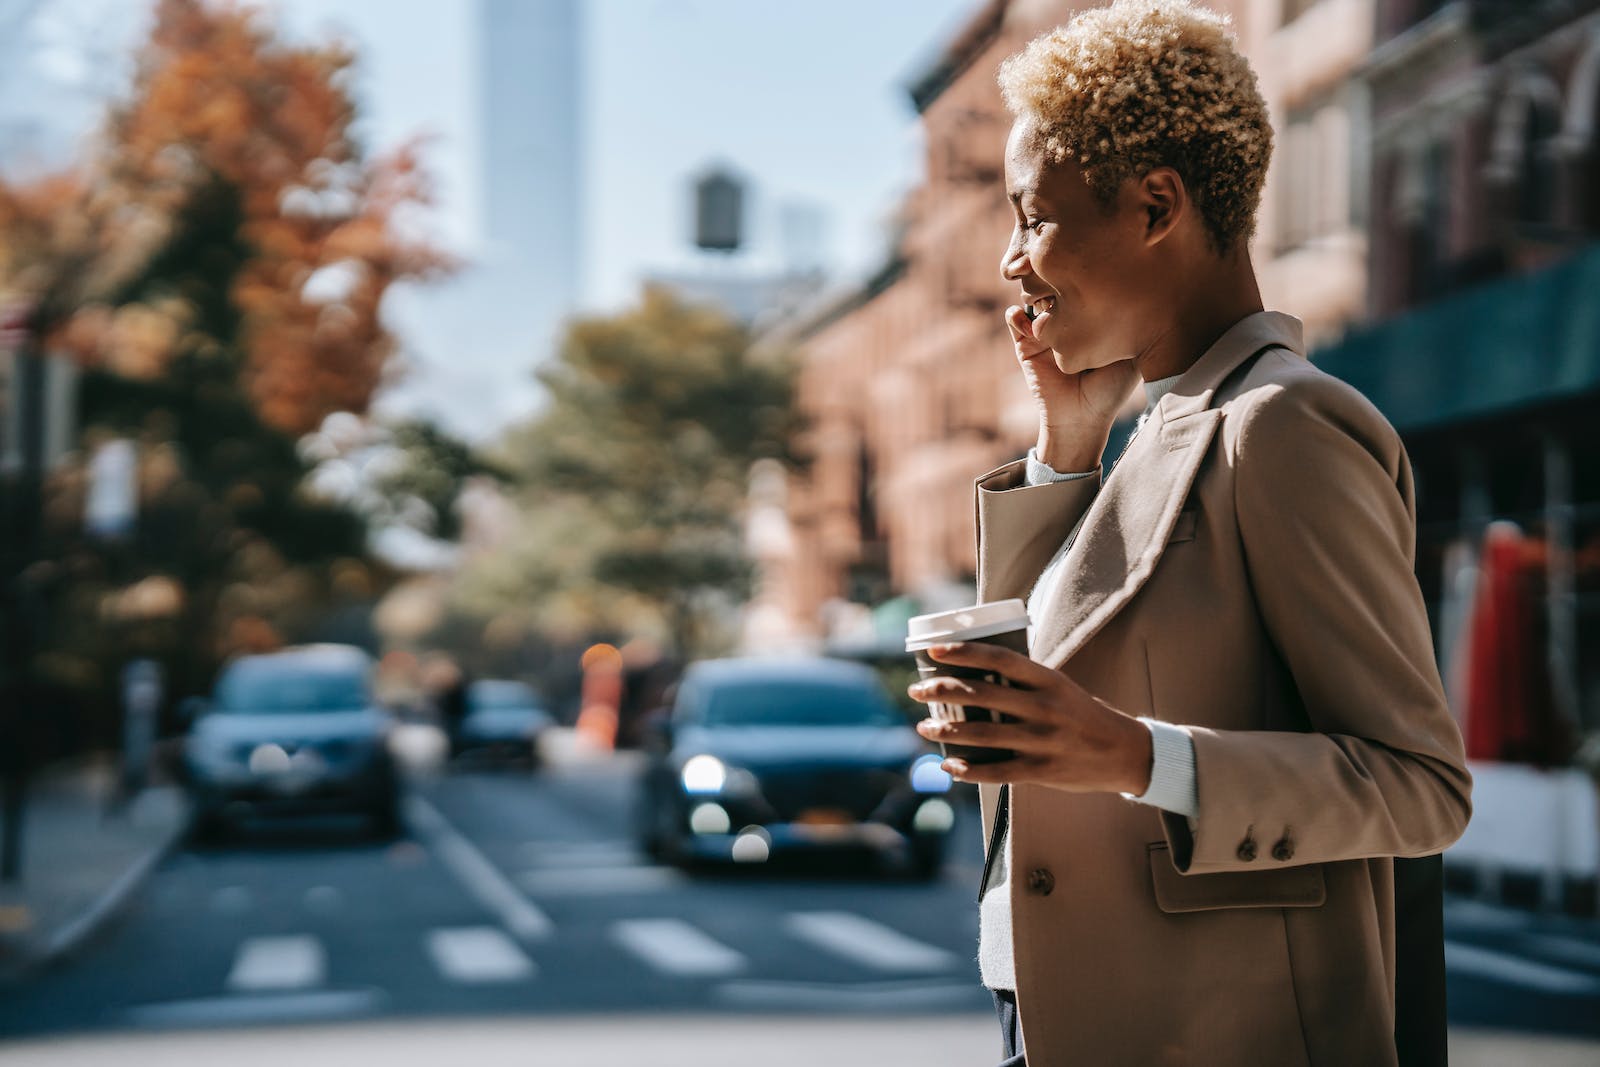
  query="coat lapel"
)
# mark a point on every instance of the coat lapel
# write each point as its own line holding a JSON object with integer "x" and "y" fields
{"x": 1126, "y": 529}
{"x": 1124, "y": 533}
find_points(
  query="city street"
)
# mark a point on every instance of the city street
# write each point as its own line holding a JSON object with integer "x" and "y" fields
{"x": 517, "y": 894}
{"x": 510, "y": 894}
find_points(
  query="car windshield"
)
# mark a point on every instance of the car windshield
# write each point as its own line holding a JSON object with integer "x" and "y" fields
{"x": 798, "y": 703}
{"x": 261, "y": 688}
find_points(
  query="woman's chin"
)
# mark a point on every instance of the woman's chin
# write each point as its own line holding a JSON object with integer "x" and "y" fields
{"x": 1076, "y": 361}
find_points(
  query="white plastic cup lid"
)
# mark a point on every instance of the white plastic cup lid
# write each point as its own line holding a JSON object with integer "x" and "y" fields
{"x": 966, "y": 624}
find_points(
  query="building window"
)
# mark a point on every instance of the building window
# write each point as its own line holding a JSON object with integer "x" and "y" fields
{"x": 1315, "y": 179}
{"x": 1536, "y": 185}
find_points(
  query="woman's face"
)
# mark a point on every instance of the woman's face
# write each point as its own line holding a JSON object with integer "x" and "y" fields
{"x": 1079, "y": 262}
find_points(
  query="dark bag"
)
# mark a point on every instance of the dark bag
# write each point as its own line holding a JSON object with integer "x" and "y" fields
{"x": 1420, "y": 1026}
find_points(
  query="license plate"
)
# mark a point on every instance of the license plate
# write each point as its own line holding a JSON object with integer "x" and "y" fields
{"x": 825, "y": 817}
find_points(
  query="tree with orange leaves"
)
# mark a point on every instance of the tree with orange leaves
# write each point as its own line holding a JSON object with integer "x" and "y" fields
{"x": 217, "y": 265}
{"x": 229, "y": 130}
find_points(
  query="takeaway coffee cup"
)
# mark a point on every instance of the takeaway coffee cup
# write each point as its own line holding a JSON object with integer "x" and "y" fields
{"x": 1003, "y": 623}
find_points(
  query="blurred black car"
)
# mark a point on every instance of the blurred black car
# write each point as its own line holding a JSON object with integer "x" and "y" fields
{"x": 290, "y": 733}
{"x": 763, "y": 756}
{"x": 502, "y": 719}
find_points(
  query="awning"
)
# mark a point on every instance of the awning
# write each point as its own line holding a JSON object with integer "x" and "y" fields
{"x": 1513, "y": 343}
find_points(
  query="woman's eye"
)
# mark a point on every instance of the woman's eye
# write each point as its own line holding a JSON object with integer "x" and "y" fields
{"x": 1035, "y": 224}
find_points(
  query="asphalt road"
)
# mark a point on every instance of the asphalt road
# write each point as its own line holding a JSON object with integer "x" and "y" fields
{"x": 521, "y": 896}
{"x": 509, "y": 893}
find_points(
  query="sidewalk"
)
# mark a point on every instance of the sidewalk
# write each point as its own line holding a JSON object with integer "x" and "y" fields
{"x": 626, "y": 1041}
{"x": 81, "y": 860}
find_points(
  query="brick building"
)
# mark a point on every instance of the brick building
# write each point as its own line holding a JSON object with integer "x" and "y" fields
{"x": 909, "y": 383}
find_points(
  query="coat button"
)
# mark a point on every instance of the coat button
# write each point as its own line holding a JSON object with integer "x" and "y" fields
{"x": 1041, "y": 881}
{"x": 1283, "y": 851}
{"x": 1247, "y": 849}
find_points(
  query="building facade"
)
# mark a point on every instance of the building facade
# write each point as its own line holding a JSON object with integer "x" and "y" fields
{"x": 909, "y": 384}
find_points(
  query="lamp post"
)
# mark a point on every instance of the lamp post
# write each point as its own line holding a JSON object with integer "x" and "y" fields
{"x": 22, "y": 501}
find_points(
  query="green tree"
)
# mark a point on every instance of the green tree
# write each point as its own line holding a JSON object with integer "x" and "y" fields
{"x": 217, "y": 266}
{"x": 635, "y": 472}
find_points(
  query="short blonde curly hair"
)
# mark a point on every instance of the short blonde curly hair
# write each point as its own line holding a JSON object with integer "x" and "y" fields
{"x": 1149, "y": 83}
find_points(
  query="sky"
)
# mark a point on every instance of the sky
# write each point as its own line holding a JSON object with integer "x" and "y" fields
{"x": 807, "y": 101}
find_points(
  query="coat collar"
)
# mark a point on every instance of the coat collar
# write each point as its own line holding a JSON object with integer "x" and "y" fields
{"x": 1239, "y": 342}
{"x": 1126, "y": 529}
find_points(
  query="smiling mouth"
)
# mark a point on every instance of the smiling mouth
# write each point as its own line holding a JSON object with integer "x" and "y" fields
{"x": 1041, "y": 306}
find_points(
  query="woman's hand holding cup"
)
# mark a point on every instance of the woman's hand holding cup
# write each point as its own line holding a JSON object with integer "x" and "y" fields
{"x": 1075, "y": 410}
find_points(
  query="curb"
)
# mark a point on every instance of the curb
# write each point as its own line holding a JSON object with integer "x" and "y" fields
{"x": 69, "y": 937}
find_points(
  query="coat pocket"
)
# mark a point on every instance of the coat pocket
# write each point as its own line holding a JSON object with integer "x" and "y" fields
{"x": 1285, "y": 887}
{"x": 1183, "y": 528}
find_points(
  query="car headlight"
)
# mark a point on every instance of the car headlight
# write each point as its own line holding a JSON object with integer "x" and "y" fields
{"x": 927, "y": 776}
{"x": 704, "y": 776}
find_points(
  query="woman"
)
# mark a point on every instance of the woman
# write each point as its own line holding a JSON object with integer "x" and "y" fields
{"x": 1231, "y": 720}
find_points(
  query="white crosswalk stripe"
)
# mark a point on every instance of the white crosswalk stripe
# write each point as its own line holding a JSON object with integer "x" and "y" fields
{"x": 866, "y": 942}
{"x": 278, "y": 963}
{"x": 478, "y": 955}
{"x": 1514, "y": 970}
{"x": 676, "y": 947}
{"x": 598, "y": 881}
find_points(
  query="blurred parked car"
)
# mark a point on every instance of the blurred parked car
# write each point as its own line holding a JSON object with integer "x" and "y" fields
{"x": 293, "y": 732}
{"x": 758, "y": 756}
{"x": 502, "y": 719}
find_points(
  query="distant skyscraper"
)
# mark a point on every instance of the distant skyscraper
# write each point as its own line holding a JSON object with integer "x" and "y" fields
{"x": 475, "y": 339}
{"x": 531, "y": 146}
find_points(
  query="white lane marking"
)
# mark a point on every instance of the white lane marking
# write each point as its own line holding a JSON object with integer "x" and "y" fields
{"x": 1481, "y": 916}
{"x": 851, "y": 996}
{"x": 477, "y": 955}
{"x": 866, "y": 942}
{"x": 599, "y": 881}
{"x": 231, "y": 900}
{"x": 278, "y": 963}
{"x": 676, "y": 947}
{"x": 261, "y": 1008}
{"x": 580, "y": 854}
{"x": 479, "y": 877}
{"x": 323, "y": 899}
{"x": 1514, "y": 970}
{"x": 1567, "y": 950}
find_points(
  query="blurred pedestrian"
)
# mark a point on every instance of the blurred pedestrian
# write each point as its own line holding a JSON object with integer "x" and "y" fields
{"x": 1231, "y": 720}
{"x": 447, "y": 685}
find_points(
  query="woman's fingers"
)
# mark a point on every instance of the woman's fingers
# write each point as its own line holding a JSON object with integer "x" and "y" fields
{"x": 1017, "y": 320}
{"x": 1016, "y": 769}
{"x": 1021, "y": 329}
{"x": 980, "y": 734}
{"x": 1014, "y": 665}
{"x": 943, "y": 689}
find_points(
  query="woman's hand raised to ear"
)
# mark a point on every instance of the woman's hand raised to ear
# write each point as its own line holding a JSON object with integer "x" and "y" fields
{"x": 1075, "y": 410}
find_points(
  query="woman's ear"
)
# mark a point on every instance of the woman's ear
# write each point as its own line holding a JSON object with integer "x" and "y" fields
{"x": 1164, "y": 201}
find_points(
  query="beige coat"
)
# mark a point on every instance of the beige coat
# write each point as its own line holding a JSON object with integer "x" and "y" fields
{"x": 1246, "y": 570}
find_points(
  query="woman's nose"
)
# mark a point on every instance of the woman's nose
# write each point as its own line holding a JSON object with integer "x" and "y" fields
{"x": 1014, "y": 264}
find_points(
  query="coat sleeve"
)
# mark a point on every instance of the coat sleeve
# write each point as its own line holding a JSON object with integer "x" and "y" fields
{"x": 1020, "y": 527}
{"x": 1326, "y": 516}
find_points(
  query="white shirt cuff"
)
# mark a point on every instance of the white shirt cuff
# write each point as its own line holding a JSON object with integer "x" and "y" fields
{"x": 1041, "y": 473}
{"x": 1172, "y": 780}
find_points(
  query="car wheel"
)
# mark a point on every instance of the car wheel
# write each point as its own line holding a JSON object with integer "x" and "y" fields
{"x": 384, "y": 819}
{"x": 207, "y": 826}
{"x": 647, "y": 825}
{"x": 926, "y": 861}
{"x": 674, "y": 839}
